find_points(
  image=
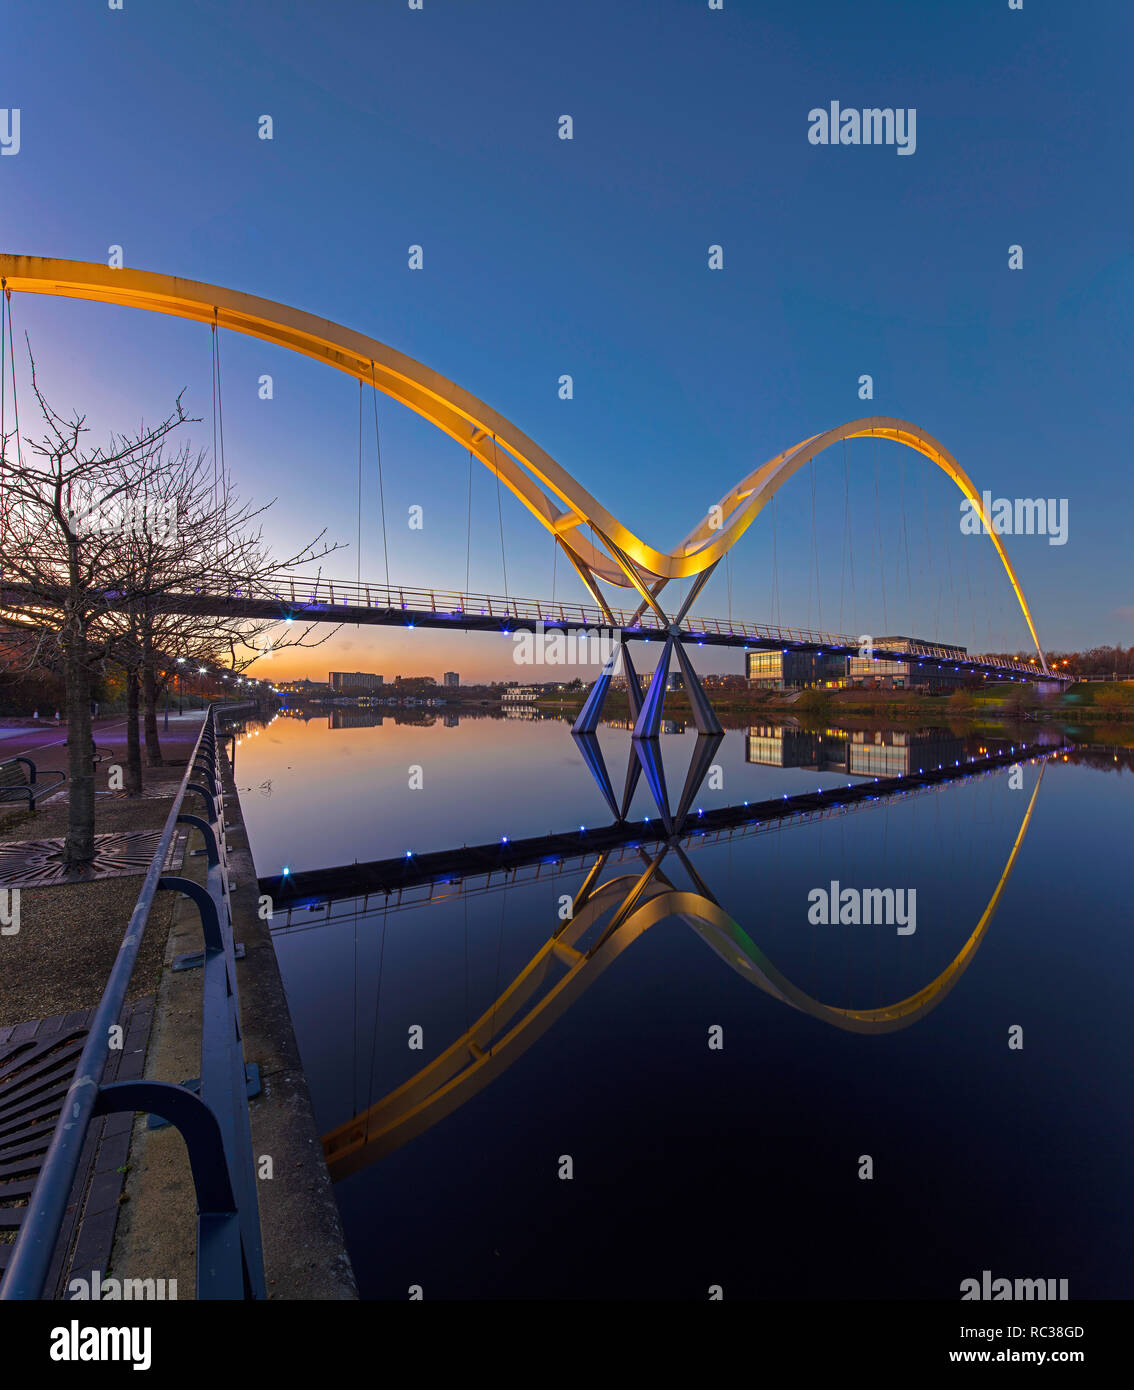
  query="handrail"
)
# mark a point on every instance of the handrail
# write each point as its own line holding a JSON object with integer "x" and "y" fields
{"x": 322, "y": 594}
{"x": 444, "y": 601}
{"x": 214, "y": 1124}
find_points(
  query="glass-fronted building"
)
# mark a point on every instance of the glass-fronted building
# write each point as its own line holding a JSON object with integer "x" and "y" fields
{"x": 887, "y": 674}
{"x": 793, "y": 670}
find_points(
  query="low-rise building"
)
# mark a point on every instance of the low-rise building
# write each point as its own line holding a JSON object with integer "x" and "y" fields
{"x": 354, "y": 682}
{"x": 920, "y": 672}
{"x": 788, "y": 670}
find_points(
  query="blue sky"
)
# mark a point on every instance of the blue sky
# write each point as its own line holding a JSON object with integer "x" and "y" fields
{"x": 438, "y": 127}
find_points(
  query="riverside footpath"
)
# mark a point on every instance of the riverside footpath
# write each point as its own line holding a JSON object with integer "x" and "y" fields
{"x": 132, "y": 1210}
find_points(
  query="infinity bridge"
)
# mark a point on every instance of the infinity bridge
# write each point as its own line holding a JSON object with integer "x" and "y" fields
{"x": 606, "y": 918}
{"x": 550, "y": 494}
{"x": 322, "y": 600}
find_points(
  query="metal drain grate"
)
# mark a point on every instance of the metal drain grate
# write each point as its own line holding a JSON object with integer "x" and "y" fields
{"x": 34, "y": 1076}
{"x": 158, "y": 791}
{"x": 39, "y": 863}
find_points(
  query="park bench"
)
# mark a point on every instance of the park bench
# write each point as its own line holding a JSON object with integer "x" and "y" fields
{"x": 16, "y": 783}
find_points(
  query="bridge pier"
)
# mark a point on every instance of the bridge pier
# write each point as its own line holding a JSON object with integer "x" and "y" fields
{"x": 648, "y": 724}
{"x": 646, "y": 711}
{"x": 588, "y": 717}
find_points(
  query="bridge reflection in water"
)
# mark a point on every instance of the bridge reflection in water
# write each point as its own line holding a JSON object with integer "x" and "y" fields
{"x": 610, "y": 913}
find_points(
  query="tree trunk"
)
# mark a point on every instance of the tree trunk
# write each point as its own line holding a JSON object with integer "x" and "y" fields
{"x": 78, "y": 847}
{"x": 133, "y": 745}
{"x": 149, "y": 700}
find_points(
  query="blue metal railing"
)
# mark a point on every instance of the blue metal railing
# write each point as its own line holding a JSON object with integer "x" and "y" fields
{"x": 214, "y": 1123}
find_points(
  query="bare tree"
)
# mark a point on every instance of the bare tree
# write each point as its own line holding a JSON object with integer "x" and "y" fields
{"x": 131, "y": 554}
{"x": 58, "y": 577}
{"x": 189, "y": 549}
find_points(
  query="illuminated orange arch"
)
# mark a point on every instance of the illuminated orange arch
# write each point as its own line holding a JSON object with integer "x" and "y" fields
{"x": 548, "y": 491}
{"x": 506, "y": 1030}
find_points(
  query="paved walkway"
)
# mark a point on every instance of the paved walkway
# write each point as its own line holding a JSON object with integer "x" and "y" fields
{"x": 69, "y": 933}
{"x": 55, "y": 967}
{"x": 25, "y": 738}
{"x": 37, "y": 1060}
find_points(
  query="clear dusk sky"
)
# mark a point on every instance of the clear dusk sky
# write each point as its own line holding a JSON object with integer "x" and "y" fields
{"x": 590, "y": 257}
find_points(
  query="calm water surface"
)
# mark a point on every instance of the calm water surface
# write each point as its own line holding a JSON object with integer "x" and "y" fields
{"x": 737, "y": 1163}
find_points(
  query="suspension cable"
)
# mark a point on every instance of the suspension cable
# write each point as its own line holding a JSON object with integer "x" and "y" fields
{"x": 381, "y": 484}
{"x": 7, "y": 305}
{"x": 468, "y": 530}
{"x": 15, "y": 393}
{"x": 906, "y": 541}
{"x": 926, "y": 557}
{"x": 854, "y": 592}
{"x": 496, "y": 989}
{"x": 3, "y": 401}
{"x": 500, "y": 516}
{"x": 846, "y": 532}
{"x": 358, "y": 547}
{"x": 218, "y": 427}
{"x": 815, "y": 552}
{"x": 377, "y": 1005}
{"x": 354, "y": 1107}
{"x": 952, "y": 590}
{"x": 465, "y": 903}
{"x": 213, "y": 367}
{"x": 878, "y": 538}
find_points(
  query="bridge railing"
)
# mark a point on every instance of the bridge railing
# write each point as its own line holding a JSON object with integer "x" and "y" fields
{"x": 214, "y": 1122}
{"x": 298, "y": 593}
{"x": 320, "y": 592}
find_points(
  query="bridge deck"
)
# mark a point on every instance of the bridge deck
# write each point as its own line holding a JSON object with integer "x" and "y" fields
{"x": 345, "y": 602}
{"x": 391, "y": 875}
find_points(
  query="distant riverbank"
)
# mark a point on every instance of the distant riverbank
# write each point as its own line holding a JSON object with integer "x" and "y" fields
{"x": 1081, "y": 704}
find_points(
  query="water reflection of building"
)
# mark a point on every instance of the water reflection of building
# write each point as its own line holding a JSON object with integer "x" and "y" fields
{"x": 348, "y": 717}
{"x": 775, "y": 745}
{"x": 668, "y": 726}
{"x": 898, "y": 752}
{"x": 855, "y": 752}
